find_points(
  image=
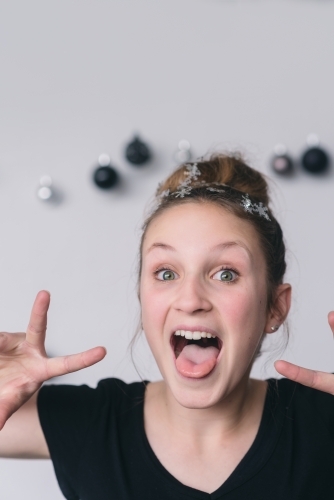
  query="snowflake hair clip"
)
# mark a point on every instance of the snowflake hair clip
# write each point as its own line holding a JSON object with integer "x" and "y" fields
{"x": 164, "y": 194}
{"x": 215, "y": 190}
{"x": 254, "y": 207}
{"x": 192, "y": 173}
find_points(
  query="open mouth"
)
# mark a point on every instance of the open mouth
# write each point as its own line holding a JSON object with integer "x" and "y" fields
{"x": 196, "y": 353}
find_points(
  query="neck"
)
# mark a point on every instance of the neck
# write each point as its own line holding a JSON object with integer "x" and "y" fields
{"x": 240, "y": 409}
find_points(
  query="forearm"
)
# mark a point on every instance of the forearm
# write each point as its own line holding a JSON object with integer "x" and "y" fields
{"x": 22, "y": 435}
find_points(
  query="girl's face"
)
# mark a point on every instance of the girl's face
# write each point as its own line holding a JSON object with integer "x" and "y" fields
{"x": 203, "y": 273}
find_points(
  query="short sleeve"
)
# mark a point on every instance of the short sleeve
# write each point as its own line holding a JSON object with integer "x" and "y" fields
{"x": 65, "y": 414}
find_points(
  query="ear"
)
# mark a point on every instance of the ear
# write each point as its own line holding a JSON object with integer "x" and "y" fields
{"x": 279, "y": 309}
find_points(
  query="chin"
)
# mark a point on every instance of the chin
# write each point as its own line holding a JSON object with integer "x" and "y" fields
{"x": 206, "y": 392}
{"x": 197, "y": 394}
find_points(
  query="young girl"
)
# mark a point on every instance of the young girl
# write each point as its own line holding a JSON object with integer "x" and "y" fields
{"x": 212, "y": 262}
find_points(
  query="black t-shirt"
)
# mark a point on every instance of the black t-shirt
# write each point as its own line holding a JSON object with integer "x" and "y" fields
{"x": 100, "y": 451}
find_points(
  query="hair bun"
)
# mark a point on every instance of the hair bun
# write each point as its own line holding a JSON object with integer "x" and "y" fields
{"x": 223, "y": 169}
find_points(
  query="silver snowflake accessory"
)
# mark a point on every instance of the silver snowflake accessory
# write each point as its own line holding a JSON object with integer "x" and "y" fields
{"x": 251, "y": 208}
{"x": 165, "y": 193}
{"x": 192, "y": 173}
{"x": 215, "y": 190}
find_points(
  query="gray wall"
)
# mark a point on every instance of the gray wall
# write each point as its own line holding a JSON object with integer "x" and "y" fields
{"x": 77, "y": 79}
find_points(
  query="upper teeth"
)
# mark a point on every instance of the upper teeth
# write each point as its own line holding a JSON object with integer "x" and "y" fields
{"x": 194, "y": 335}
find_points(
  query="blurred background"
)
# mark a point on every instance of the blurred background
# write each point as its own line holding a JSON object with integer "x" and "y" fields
{"x": 80, "y": 78}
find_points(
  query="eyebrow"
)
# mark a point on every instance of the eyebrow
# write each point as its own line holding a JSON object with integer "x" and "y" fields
{"x": 161, "y": 245}
{"x": 220, "y": 246}
{"x": 229, "y": 244}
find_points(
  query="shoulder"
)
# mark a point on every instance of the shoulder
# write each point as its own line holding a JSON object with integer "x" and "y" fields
{"x": 120, "y": 393}
{"x": 83, "y": 397}
{"x": 301, "y": 401}
{"x": 289, "y": 387}
{"x": 72, "y": 410}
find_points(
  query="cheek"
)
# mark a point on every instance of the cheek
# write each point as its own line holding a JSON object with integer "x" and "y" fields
{"x": 154, "y": 307}
{"x": 243, "y": 302}
{"x": 246, "y": 312}
{"x": 153, "y": 313}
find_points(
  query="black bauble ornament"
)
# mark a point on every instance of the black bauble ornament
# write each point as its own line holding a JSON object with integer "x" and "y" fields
{"x": 105, "y": 177}
{"x": 137, "y": 152}
{"x": 315, "y": 160}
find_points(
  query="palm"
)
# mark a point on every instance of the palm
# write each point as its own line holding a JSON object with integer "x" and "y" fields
{"x": 24, "y": 365}
{"x": 312, "y": 378}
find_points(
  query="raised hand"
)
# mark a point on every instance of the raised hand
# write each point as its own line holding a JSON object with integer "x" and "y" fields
{"x": 24, "y": 365}
{"x": 312, "y": 378}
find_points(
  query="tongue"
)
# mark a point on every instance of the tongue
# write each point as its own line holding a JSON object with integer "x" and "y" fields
{"x": 196, "y": 362}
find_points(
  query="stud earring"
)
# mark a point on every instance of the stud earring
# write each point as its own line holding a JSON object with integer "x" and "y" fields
{"x": 281, "y": 162}
{"x": 274, "y": 328}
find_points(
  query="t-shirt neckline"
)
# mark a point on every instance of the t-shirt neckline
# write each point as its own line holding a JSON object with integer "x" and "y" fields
{"x": 248, "y": 466}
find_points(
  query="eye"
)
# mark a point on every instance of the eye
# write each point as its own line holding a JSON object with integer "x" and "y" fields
{"x": 165, "y": 275}
{"x": 226, "y": 275}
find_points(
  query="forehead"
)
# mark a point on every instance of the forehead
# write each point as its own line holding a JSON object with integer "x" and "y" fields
{"x": 200, "y": 226}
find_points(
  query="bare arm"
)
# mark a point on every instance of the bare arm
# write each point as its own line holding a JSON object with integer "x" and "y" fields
{"x": 22, "y": 435}
{"x": 24, "y": 366}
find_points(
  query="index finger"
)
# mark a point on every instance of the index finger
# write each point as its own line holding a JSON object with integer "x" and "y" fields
{"x": 312, "y": 378}
{"x": 38, "y": 320}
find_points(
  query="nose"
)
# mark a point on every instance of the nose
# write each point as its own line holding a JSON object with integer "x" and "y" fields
{"x": 192, "y": 297}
